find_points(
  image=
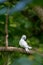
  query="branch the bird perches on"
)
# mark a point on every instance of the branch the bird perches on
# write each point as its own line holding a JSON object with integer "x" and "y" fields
{"x": 21, "y": 50}
{"x": 16, "y": 49}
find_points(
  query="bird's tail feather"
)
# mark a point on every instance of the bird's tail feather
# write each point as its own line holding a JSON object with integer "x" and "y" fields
{"x": 27, "y": 50}
{"x": 29, "y": 47}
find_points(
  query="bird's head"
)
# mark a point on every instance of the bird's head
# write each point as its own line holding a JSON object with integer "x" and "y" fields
{"x": 24, "y": 37}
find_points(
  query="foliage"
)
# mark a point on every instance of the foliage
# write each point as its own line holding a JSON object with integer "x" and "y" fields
{"x": 22, "y": 20}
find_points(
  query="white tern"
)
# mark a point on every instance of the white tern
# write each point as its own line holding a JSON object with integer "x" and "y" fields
{"x": 24, "y": 44}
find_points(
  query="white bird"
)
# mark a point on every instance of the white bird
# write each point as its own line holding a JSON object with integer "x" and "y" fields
{"x": 24, "y": 44}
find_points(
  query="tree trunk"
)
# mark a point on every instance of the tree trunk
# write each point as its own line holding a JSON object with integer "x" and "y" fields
{"x": 6, "y": 28}
{"x": 6, "y": 31}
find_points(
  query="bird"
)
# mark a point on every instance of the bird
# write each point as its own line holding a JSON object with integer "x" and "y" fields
{"x": 24, "y": 44}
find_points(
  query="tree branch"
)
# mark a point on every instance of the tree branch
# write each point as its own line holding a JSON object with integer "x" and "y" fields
{"x": 21, "y": 50}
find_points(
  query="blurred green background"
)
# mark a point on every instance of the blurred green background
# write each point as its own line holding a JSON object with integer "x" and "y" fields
{"x": 22, "y": 19}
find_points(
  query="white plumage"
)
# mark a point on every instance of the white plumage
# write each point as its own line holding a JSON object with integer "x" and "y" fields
{"x": 24, "y": 44}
